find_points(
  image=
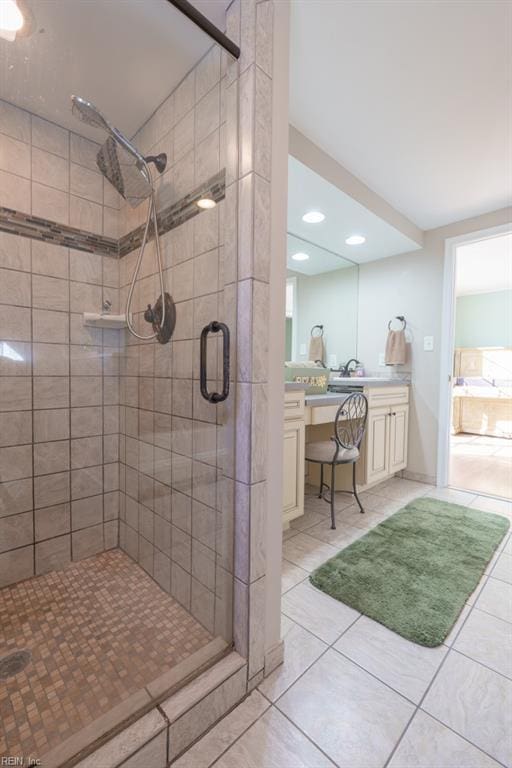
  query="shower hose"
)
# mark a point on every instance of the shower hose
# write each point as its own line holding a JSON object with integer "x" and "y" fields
{"x": 150, "y": 217}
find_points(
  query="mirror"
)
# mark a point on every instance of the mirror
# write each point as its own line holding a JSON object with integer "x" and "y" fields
{"x": 321, "y": 289}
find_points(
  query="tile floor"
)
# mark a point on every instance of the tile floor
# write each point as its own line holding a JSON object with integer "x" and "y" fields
{"x": 482, "y": 464}
{"x": 355, "y": 695}
{"x": 91, "y": 631}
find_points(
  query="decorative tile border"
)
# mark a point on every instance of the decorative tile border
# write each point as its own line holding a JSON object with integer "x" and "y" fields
{"x": 26, "y": 225}
{"x": 177, "y": 213}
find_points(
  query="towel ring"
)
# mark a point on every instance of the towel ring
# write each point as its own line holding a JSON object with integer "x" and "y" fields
{"x": 320, "y": 329}
{"x": 402, "y": 320}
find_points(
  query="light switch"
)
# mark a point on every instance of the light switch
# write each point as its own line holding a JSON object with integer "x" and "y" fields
{"x": 428, "y": 343}
{"x": 382, "y": 358}
{"x": 302, "y": 349}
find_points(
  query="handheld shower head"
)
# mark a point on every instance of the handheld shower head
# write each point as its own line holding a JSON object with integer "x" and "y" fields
{"x": 88, "y": 113}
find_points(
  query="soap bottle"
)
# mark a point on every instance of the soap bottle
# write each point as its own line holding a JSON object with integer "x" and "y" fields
{"x": 359, "y": 370}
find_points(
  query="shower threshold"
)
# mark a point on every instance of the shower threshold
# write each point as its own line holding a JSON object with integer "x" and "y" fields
{"x": 105, "y": 644}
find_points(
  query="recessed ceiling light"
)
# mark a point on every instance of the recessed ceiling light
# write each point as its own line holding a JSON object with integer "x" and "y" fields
{"x": 206, "y": 202}
{"x": 11, "y": 19}
{"x": 355, "y": 240}
{"x": 300, "y": 256}
{"x": 313, "y": 217}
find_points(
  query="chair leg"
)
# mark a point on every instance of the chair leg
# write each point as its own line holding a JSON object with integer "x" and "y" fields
{"x": 320, "y": 492}
{"x": 333, "y": 517}
{"x": 354, "y": 487}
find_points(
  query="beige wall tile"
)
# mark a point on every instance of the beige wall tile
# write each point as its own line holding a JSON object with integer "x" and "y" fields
{"x": 86, "y": 482}
{"x": 15, "y": 192}
{"x": 86, "y": 512}
{"x": 49, "y": 169}
{"x": 85, "y": 390}
{"x": 15, "y": 496}
{"x": 49, "y": 203}
{"x": 85, "y": 215}
{"x": 14, "y": 288}
{"x": 14, "y": 323}
{"x": 14, "y": 122}
{"x": 50, "y": 293}
{"x": 50, "y": 326}
{"x": 86, "y": 452}
{"x": 50, "y": 137}
{"x": 16, "y": 565}
{"x": 15, "y": 428}
{"x": 49, "y": 259}
{"x": 15, "y": 393}
{"x": 14, "y": 156}
{"x": 51, "y": 489}
{"x": 52, "y": 521}
{"x": 53, "y": 554}
{"x": 14, "y": 251}
{"x": 85, "y": 422}
{"x": 85, "y": 298}
{"x": 15, "y": 462}
{"x": 51, "y": 457}
{"x": 50, "y": 359}
{"x": 16, "y": 531}
{"x": 86, "y": 183}
{"x": 87, "y": 542}
{"x": 51, "y": 392}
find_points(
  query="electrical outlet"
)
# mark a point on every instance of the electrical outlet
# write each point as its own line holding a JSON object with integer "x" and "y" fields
{"x": 428, "y": 343}
{"x": 382, "y": 358}
{"x": 333, "y": 361}
{"x": 302, "y": 349}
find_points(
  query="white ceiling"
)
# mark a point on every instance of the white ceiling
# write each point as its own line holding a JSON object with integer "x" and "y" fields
{"x": 344, "y": 216}
{"x": 484, "y": 266}
{"x": 413, "y": 98}
{"x": 125, "y": 57}
{"x": 319, "y": 260}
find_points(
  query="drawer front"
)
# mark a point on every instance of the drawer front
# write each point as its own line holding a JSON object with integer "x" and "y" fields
{"x": 379, "y": 396}
{"x": 324, "y": 414}
{"x": 293, "y": 405}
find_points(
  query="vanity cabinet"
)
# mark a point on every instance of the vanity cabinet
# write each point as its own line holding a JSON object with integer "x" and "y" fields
{"x": 293, "y": 457}
{"x": 385, "y": 442}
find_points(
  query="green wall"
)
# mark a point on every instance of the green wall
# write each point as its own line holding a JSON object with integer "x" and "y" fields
{"x": 484, "y": 320}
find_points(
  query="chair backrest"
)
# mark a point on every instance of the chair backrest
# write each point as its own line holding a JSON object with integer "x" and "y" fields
{"x": 350, "y": 422}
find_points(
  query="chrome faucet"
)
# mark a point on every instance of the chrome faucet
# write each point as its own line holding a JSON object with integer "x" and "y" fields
{"x": 346, "y": 370}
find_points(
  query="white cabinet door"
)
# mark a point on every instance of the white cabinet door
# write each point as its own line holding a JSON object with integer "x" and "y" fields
{"x": 398, "y": 431}
{"x": 377, "y": 445}
{"x": 293, "y": 470}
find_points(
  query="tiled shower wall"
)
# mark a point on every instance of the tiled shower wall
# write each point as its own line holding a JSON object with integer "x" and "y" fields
{"x": 59, "y": 383}
{"x": 176, "y": 499}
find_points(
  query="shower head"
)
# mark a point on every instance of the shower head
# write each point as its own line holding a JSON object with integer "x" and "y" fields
{"x": 88, "y": 113}
{"x": 118, "y": 160}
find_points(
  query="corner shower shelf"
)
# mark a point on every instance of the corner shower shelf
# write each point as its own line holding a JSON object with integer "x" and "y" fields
{"x": 97, "y": 320}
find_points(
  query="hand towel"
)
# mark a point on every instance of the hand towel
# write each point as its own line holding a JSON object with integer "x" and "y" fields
{"x": 395, "y": 348}
{"x": 316, "y": 348}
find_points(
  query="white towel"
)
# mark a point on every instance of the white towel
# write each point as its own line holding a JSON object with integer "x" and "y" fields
{"x": 395, "y": 348}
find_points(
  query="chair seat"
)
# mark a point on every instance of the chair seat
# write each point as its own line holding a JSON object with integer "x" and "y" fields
{"x": 325, "y": 451}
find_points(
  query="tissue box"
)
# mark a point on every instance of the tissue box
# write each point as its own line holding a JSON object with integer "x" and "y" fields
{"x": 314, "y": 379}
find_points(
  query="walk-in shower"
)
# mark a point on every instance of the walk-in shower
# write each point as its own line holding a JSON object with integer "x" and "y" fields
{"x": 128, "y": 172}
{"x": 118, "y": 454}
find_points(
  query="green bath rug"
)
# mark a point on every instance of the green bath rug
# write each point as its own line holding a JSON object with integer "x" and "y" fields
{"x": 414, "y": 571}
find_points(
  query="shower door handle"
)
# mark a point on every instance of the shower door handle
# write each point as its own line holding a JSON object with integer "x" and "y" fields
{"x": 214, "y": 327}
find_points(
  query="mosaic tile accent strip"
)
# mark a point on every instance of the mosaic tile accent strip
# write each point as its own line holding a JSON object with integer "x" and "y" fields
{"x": 178, "y": 213}
{"x": 26, "y": 225}
{"x": 98, "y": 631}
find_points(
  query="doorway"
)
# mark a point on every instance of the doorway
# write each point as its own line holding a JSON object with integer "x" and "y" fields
{"x": 478, "y": 439}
